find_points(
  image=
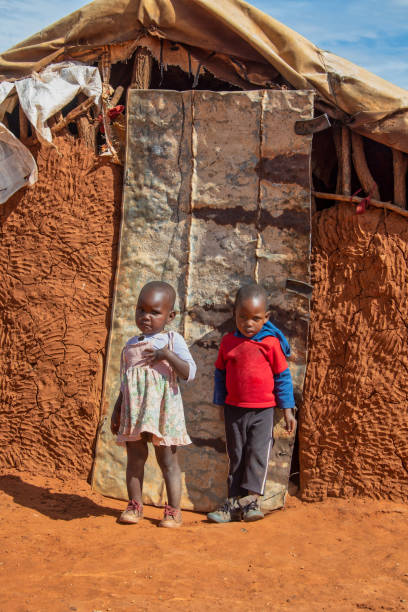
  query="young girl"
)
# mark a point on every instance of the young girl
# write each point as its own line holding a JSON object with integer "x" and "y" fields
{"x": 149, "y": 406}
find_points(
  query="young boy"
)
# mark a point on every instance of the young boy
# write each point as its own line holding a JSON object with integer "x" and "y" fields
{"x": 251, "y": 377}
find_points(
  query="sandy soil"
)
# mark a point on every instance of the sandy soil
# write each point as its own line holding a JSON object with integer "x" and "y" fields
{"x": 63, "y": 550}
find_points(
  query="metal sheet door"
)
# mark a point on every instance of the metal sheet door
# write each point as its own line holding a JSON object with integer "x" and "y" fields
{"x": 217, "y": 193}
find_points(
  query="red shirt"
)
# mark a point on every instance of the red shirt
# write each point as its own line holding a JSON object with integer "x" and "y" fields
{"x": 250, "y": 367}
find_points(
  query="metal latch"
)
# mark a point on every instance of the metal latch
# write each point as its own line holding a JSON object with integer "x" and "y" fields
{"x": 299, "y": 287}
{"x": 311, "y": 126}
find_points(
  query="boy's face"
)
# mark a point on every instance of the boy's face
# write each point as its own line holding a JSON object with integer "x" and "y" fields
{"x": 153, "y": 311}
{"x": 251, "y": 315}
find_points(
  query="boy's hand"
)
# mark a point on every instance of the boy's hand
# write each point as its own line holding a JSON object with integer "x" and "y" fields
{"x": 289, "y": 420}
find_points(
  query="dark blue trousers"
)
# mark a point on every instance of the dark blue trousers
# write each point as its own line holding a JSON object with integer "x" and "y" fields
{"x": 249, "y": 437}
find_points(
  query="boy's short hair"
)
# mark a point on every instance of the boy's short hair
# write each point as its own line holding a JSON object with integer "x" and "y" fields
{"x": 247, "y": 292}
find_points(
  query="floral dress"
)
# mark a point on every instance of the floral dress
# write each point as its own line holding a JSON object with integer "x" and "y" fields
{"x": 151, "y": 399}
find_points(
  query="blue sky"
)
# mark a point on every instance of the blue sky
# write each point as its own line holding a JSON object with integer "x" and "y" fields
{"x": 371, "y": 33}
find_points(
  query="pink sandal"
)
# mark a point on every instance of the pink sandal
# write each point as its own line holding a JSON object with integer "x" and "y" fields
{"x": 133, "y": 513}
{"x": 172, "y": 517}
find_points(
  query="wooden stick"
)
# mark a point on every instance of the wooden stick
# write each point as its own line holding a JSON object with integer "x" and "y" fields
{"x": 345, "y": 160}
{"x": 117, "y": 95}
{"x": 360, "y": 164}
{"x": 55, "y": 119}
{"x": 337, "y": 146}
{"x": 86, "y": 127}
{"x": 23, "y": 124}
{"x": 399, "y": 161}
{"x": 76, "y": 112}
{"x": 357, "y": 200}
{"x": 142, "y": 69}
{"x": 105, "y": 65}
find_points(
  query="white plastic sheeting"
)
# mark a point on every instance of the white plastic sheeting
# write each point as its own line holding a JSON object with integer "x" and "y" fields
{"x": 42, "y": 95}
{"x": 17, "y": 166}
{"x": 5, "y": 89}
{"x": 7, "y": 103}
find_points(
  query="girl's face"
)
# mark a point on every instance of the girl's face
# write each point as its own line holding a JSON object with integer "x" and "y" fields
{"x": 250, "y": 316}
{"x": 153, "y": 311}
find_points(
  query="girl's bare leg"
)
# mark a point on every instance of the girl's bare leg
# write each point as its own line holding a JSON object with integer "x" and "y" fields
{"x": 136, "y": 458}
{"x": 168, "y": 461}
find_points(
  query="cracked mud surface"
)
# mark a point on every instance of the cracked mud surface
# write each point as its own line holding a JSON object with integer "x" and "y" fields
{"x": 57, "y": 252}
{"x": 354, "y": 420}
{"x": 62, "y": 551}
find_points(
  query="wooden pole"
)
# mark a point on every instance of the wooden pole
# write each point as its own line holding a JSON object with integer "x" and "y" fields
{"x": 23, "y": 121}
{"x": 76, "y": 112}
{"x": 337, "y": 146}
{"x": 105, "y": 70}
{"x": 399, "y": 161}
{"x": 142, "y": 69}
{"x": 86, "y": 127}
{"x": 360, "y": 164}
{"x": 117, "y": 95}
{"x": 345, "y": 160}
{"x": 357, "y": 200}
{"x": 105, "y": 66}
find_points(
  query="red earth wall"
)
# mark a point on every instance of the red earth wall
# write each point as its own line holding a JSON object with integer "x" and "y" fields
{"x": 354, "y": 421}
{"x": 57, "y": 256}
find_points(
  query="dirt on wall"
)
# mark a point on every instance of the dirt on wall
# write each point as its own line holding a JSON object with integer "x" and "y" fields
{"x": 57, "y": 256}
{"x": 354, "y": 419}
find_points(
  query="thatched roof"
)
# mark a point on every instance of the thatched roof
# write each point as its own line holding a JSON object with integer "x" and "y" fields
{"x": 249, "y": 44}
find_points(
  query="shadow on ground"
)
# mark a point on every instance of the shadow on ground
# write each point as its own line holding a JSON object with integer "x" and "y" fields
{"x": 57, "y": 506}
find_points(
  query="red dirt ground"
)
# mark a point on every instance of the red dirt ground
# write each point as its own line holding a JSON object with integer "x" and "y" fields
{"x": 63, "y": 550}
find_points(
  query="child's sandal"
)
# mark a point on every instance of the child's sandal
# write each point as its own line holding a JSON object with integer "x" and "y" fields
{"x": 133, "y": 513}
{"x": 172, "y": 517}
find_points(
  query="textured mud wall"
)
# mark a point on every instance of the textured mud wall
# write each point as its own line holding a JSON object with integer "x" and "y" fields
{"x": 354, "y": 422}
{"x": 57, "y": 248}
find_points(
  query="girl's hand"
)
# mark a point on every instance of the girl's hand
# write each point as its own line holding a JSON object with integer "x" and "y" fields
{"x": 115, "y": 418}
{"x": 115, "y": 422}
{"x": 180, "y": 366}
{"x": 152, "y": 355}
{"x": 289, "y": 420}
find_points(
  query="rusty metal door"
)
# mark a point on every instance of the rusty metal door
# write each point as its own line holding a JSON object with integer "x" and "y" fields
{"x": 217, "y": 193}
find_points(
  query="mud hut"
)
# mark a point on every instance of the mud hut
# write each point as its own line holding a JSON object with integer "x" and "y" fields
{"x": 236, "y": 129}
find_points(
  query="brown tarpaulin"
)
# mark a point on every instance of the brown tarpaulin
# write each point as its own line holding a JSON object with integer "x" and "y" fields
{"x": 373, "y": 106}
